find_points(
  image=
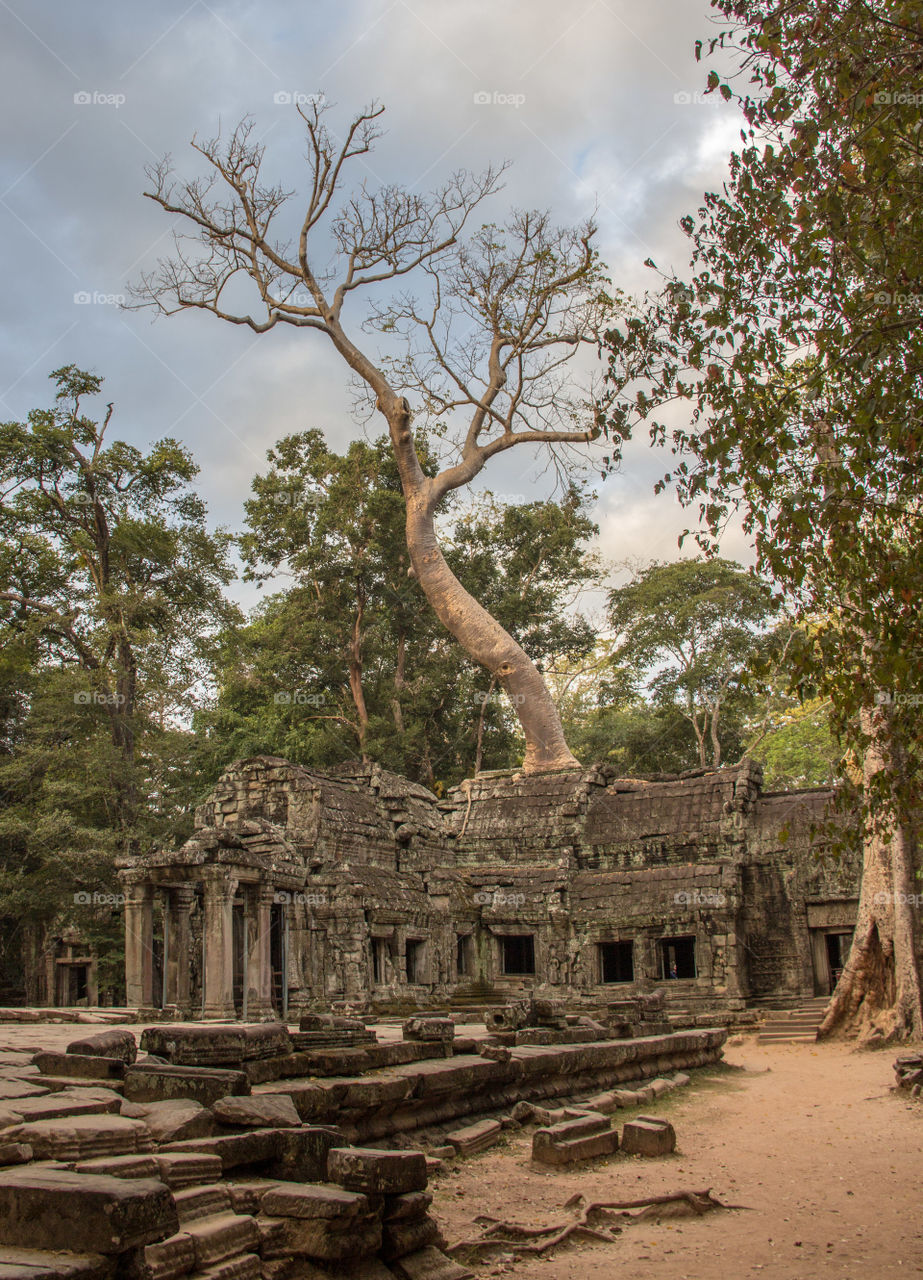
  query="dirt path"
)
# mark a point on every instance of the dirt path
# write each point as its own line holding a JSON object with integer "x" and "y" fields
{"x": 809, "y": 1136}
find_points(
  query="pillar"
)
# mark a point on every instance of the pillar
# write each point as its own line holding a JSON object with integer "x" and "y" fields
{"x": 178, "y": 907}
{"x": 217, "y": 928}
{"x": 139, "y": 945}
{"x": 259, "y": 960}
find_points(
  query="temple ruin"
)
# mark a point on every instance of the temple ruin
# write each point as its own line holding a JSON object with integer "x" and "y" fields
{"x": 356, "y": 888}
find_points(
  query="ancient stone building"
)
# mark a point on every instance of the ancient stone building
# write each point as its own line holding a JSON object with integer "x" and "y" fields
{"x": 300, "y": 889}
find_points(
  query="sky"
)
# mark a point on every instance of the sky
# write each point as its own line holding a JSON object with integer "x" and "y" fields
{"x": 596, "y": 106}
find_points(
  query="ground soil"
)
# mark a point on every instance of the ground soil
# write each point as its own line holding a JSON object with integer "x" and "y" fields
{"x": 808, "y": 1135}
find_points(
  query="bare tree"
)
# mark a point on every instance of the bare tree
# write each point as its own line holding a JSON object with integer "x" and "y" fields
{"x": 482, "y": 345}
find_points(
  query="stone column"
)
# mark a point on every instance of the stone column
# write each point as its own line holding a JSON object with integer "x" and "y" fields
{"x": 179, "y": 971}
{"x": 219, "y": 890}
{"x": 139, "y": 944}
{"x": 259, "y": 964}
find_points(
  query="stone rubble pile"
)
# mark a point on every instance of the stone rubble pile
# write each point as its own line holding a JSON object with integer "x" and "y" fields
{"x": 908, "y": 1070}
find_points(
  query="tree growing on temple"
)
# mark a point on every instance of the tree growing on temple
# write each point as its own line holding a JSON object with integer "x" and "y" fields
{"x": 479, "y": 345}
{"x": 793, "y": 356}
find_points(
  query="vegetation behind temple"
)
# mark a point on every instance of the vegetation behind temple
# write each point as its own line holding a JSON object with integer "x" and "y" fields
{"x": 112, "y": 582}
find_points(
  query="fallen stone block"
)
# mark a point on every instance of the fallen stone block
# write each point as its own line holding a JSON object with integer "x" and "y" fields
{"x": 13, "y": 1089}
{"x": 496, "y": 1052}
{"x": 439, "y": 1030}
{"x": 202, "y": 1084}
{"x": 680, "y": 1079}
{"x": 412, "y": 1204}
{"x": 403, "y": 1237}
{"x": 659, "y": 1087}
{"x": 107, "y": 1044}
{"x": 81, "y": 1137}
{"x": 256, "y": 1146}
{"x": 264, "y": 1111}
{"x": 207, "y": 1044}
{"x": 180, "y": 1169}
{"x": 39, "y": 1264}
{"x": 327, "y": 1239}
{"x": 9, "y": 1117}
{"x": 440, "y": 1153}
{"x": 81, "y": 1065}
{"x": 576, "y": 1126}
{"x": 246, "y": 1197}
{"x": 430, "y": 1264}
{"x": 166, "y": 1260}
{"x": 377, "y": 1172}
{"x": 627, "y": 1098}
{"x": 245, "y": 1267}
{"x": 648, "y": 1137}
{"x": 202, "y": 1202}
{"x": 15, "y": 1153}
{"x": 83, "y": 1213}
{"x": 569, "y": 1150}
{"x": 475, "y": 1137}
{"x": 121, "y": 1166}
{"x": 58, "y": 1106}
{"x": 216, "y": 1239}
{"x": 177, "y": 1119}
{"x": 313, "y": 1200}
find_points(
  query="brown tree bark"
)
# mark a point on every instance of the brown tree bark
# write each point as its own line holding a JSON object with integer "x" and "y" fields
{"x": 878, "y": 997}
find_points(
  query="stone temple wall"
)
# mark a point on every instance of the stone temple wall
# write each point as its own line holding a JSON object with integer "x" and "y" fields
{"x": 359, "y": 887}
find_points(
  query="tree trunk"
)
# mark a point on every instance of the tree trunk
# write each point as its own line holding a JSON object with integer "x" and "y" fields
{"x": 355, "y": 681}
{"x": 485, "y": 640}
{"x": 399, "y": 684}
{"x": 479, "y": 753}
{"x": 878, "y": 996}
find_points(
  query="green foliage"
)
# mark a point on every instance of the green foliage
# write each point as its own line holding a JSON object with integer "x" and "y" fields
{"x": 350, "y": 660}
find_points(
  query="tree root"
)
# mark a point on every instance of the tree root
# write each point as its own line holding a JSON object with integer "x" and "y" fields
{"x": 512, "y": 1237}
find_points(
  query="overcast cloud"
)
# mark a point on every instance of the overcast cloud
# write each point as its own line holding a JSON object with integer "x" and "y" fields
{"x": 596, "y": 104}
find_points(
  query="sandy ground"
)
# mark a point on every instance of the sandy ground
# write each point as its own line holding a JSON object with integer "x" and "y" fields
{"x": 809, "y": 1136}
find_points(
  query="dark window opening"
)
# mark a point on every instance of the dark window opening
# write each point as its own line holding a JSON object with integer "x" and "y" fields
{"x": 414, "y": 957}
{"x": 464, "y": 951}
{"x": 518, "y": 953}
{"x": 677, "y": 958}
{"x": 617, "y": 961}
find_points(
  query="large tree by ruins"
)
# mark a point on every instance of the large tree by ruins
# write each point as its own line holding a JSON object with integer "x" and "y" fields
{"x": 793, "y": 353}
{"x": 480, "y": 344}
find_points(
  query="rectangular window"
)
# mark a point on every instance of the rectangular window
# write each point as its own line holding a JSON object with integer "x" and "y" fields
{"x": 379, "y": 952}
{"x": 518, "y": 952}
{"x": 617, "y": 961}
{"x": 464, "y": 947}
{"x": 677, "y": 958}
{"x": 414, "y": 956}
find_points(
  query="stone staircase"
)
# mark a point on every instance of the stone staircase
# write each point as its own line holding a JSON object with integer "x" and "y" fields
{"x": 794, "y": 1026}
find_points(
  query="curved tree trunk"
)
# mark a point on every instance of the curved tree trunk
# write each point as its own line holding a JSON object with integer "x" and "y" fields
{"x": 878, "y": 996}
{"x": 481, "y": 636}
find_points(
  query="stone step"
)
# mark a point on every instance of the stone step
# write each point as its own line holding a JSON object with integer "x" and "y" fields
{"x": 202, "y": 1202}
{"x": 179, "y": 1169}
{"x": 37, "y": 1264}
{"x": 131, "y": 1166}
{"x": 222, "y": 1236}
{"x": 245, "y": 1267}
{"x": 82, "y": 1137}
{"x": 55, "y": 1106}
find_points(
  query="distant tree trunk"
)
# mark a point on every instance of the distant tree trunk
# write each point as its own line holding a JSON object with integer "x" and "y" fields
{"x": 399, "y": 683}
{"x": 355, "y": 681}
{"x": 479, "y": 753}
{"x": 878, "y": 996}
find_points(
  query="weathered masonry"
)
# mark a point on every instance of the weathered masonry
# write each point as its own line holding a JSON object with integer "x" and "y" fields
{"x": 299, "y": 889}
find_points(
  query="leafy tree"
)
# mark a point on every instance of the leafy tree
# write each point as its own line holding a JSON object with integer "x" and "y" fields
{"x": 795, "y": 348}
{"x": 690, "y": 631}
{"x": 110, "y": 587}
{"x": 483, "y": 349}
{"x": 349, "y": 660}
